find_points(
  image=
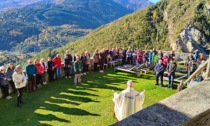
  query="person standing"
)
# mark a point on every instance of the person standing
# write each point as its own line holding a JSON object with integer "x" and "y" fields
{"x": 96, "y": 60}
{"x": 171, "y": 55}
{"x": 83, "y": 60}
{"x": 87, "y": 64}
{"x": 128, "y": 102}
{"x": 171, "y": 69}
{"x": 150, "y": 57}
{"x": 40, "y": 71}
{"x": 159, "y": 71}
{"x": 102, "y": 60}
{"x": 4, "y": 83}
{"x": 50, "y": 69}
{"x": 31, "y": 72}
{"x": 155, "y": 58}
{"x": 44, "y": 65}
{"x": 20, "y": 82}
{"x": 9, "y": 72}
{"x": 140, "y": 57}
{"x": 67, "y": 67}
{"x": 192, "y": 67}
{"x": 129, "y": 56}
{"x": 196, "y": 55}
{"x": 57, "y": 62}
{"x": 77, "y": 71}
{"x": 124, "y": 56}
{"x": 165, "y": 60}
{"x": 188, "y": 62}
{"x": 70, "y": 59}
{"x": 145, "y": 56}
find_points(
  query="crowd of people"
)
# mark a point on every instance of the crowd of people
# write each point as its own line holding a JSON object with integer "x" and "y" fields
{"x": 36, "y": 72}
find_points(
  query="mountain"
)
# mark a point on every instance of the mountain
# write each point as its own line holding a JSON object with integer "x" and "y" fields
{"x": 134, "y": 4}
{"x": 15, "y": 4}
{"x": 53, "y": 23}
{"x": 170, "y": 24}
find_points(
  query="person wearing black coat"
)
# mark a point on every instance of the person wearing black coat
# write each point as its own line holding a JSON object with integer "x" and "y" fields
{"x": 50, "y": 69}
{"x": 9, "y": 72}
{"x": 124, "y": 56}
{"x": 67, "y": 65}
{"x": 83, "y": 60}
{"x": 159, "y": 71}
{"x": 4, "y": 83}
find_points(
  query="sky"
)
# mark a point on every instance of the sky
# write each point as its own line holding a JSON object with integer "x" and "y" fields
{"x": 154, "y": 1}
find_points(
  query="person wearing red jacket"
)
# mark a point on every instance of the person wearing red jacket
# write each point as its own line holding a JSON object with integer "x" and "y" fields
{"x": 57, "y": 62}
{"x": 140, "y": 57}
{"x": 165, "y": 60}
{"x": 40, "y": 71}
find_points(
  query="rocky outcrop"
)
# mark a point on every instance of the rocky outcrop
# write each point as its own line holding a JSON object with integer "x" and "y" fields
{"x": 191, "y": 39}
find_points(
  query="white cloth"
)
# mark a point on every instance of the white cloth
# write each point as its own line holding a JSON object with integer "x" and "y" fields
{"x": 19, "y": 80}
{"x": 128, "y": 102}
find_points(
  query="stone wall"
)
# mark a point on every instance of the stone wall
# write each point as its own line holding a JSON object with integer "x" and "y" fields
{"x": 190, "y": 107}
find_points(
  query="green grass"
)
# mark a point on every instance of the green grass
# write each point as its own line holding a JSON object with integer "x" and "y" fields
{"x": 90, "y": 104}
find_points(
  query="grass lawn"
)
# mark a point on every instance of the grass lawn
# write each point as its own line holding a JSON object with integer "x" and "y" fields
{"x": 90, "y": 104}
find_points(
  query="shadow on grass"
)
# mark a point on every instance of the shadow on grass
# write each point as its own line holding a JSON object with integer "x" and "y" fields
{"x": 51, "y": 117}
{"x": 80, "y": 93}
{"x": 67, "y": 110}
{"x": 76, "y": 98}
{"x": 63, "y": 100}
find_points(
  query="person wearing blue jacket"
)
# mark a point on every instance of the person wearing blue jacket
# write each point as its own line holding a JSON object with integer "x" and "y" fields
{"x": 159, "y": 71}
{"x": 31, "y": 72}
{"x": 150, "y": 57}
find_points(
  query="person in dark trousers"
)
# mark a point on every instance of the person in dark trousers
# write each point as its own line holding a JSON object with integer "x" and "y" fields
{"x": 4, "y": 82}
{"x": 44, "y": 65}
{"x": 159, "y": 71}
{"x": 67, "y": 64}
{"x": 102, "y": 60}
{"x": 31, "y": 72}
{"x": 117, "y": 56}
{"x": 192, "y": 67}
{"x": 124, "y": 56}
{"x": 96, "y": 60}
{"x": 20, "y": 82}
{"x": 40, "y": 71}
{"x": 83, "y": 60}
{"x": 9, "y": 72}
{"x": 171, "y": 69}
{"x": 145, "y": 56}
{"x": 106, "y": 55}
{"x": 70, "y": 59}
{"x": 50, "y": 69}
{"x": 129, "y": 56}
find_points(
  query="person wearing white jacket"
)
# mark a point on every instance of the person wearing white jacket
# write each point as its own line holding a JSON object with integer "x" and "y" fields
{"x": 20, "y": 82}
{"x": 128, "y": 102}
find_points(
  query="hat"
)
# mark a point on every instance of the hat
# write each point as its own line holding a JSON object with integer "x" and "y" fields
{"x": 18, "y": 67}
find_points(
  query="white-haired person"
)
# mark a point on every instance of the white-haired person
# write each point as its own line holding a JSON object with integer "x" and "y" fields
{"x": 77, "y": 70}
{"x": 4, "y": 82}
{"x": 128, "y": 102}
{"x": 20, "y": 82}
